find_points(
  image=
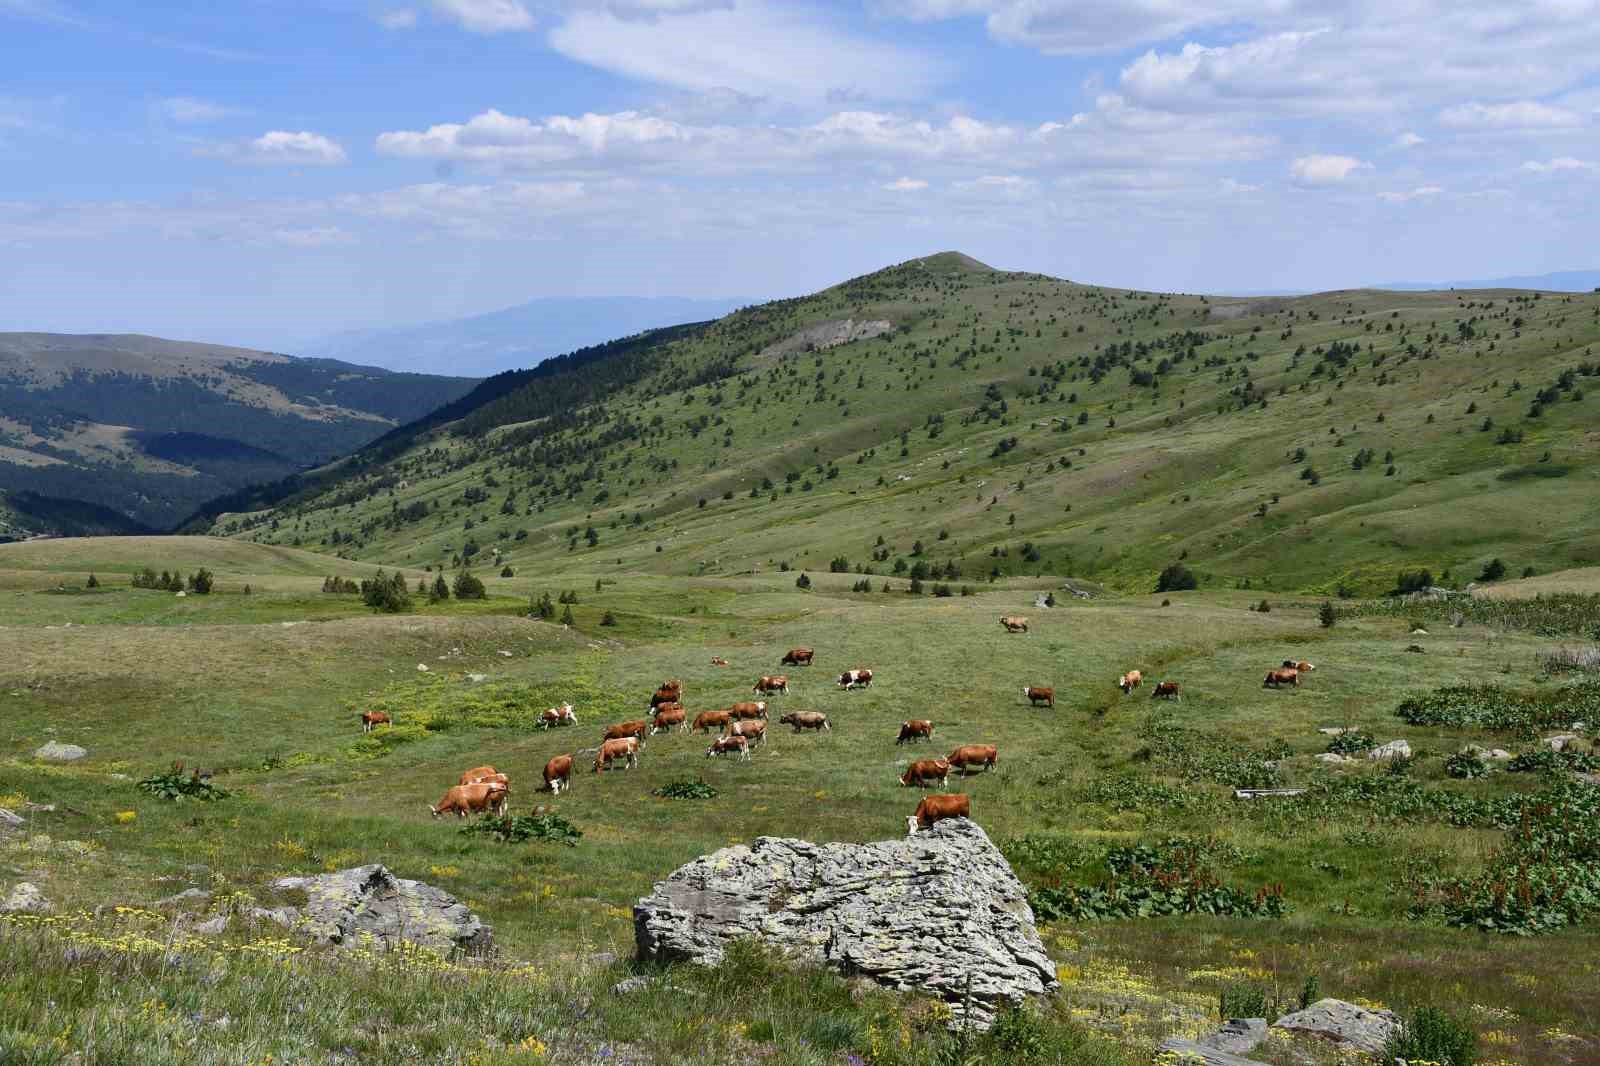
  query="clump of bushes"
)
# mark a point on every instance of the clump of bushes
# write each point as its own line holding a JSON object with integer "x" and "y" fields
{"x": 1434, "y": 1035}
{"x": 387, "y": 593}
{"x": 176, "y": 785}
{"x": 517, "y": 828}
{"x": 1466, "y": 765}
{"x": 1352, "y": 742}
{"x": 684, "y": 788}
{"x": 1177, "y": 578}
{"x": 340, "y": 585}
{"x": 1494, "y": 708}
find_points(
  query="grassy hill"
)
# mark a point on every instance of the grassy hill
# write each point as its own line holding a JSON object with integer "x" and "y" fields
{"x": 149, "y": 429}
{"x": 986, "y": 423}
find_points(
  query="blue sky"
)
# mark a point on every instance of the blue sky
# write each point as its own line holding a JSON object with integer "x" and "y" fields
{"x": 265, "y": 170}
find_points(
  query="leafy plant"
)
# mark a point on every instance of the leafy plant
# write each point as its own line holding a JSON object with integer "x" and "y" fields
{"x": 1494, "y": 708}
{"x": 517, "y": 828}
{"x": 1352, "y": 742}
{"x": 684, "y": 788}
{"x": 1466, "y": 764}
{"x": 1242, "y": 999}
{"x": 1434, "y": 1035}
{"x": 176, "y": 785}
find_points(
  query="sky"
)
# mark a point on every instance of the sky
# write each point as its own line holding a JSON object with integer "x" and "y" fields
{"x": 262, "y": 171}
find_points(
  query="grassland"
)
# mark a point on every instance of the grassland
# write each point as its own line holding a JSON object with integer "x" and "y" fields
{"x": 264, "y": 689}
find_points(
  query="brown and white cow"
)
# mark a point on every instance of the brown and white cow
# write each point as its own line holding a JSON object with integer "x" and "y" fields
{"x": 746, "y": 709}
{"x": 1167, "y": 690}
{"x": 734, "y": 742}
{"x": 1014, "y": 623}
{"x": 717, "y": 660}
{"x": 936, "y": 808}
{"x": 860, "y": 677}
{"x": 797, "y": 657}
{"x": 625, "y": 748}
{"x": 638, "y": 729}
{"x": 666, "y": 695}
{"x": 1276, "y": 678}
{"x": 706, "y": 721}
{"x": 969, "y": 755}
{"x": 767, "y": 685}
{"x": 914, "y": 729}
{"x": 554, "y": 716}
{"x": 927, "y": 771}
{"x": 477, "y": 773}
{"x": 463, "y": 800}
{"x": 667, "y": 717}
{"x": 1130, "y": 681}
{"x": 806, "y": 720}
{"x": 490, "y": 779}
{"x": 1301, "y": 665}
{"x": 558, "y": 773}
{"x": 1036, "y": 696}
{"x": 370, "y": 720}
{"x": 754, "y": 732}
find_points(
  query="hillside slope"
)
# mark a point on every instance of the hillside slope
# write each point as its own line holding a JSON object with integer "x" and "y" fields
{"x": 947, "y": 420}
{"x": 151, "y": 428}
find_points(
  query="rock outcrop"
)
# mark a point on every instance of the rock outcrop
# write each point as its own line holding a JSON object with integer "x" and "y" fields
{"x": 55, "y": 751}
{"x": 1395, "y": 749}
{"x": 25, "y": 898}
{"x": 370, "y": 904}
{"x": 1344, "y": 1024}
{"x": 939, "y": 913}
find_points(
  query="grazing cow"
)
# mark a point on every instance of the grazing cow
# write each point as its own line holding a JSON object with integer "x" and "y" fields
{"x": 706, "y": 721}
{"x": 1302, "y": 666}
{"x": 806, "y": 720}
{"x": 754, "y": 732}
{"x": 937, "y": 807}
{"x": 917, "y": 727}
{"x": 554, "y": 716}
{"x": 558, "y": 772}
{"x": 1014, "y": 623}
{"x": 469, "y": 799}
{"x": 767, "y": 685}
{"x": 1130, "y": 681}
{"x": 968, "y": 755}
{"x": 638, "y": 729}
{"x": 717, "y": 660}
{"x": 1167, "y": 690}
{"x": 625, "y": 748}
{"x": 1281, "y": 677}
{"x": 372, "y": 719}
{"x": 797, "y": 657}
{"x": 490, "y": 779}
{"x": 668, "y": 717}
{"x": 665, "y": 695}
{"x": 723, "y": 745}
{"x": 477, "y": 773}
{"x": 860, "y": 677}
{"x": 927, "y": 771}
{"x": 1037, "y": 696}
{"x": 749, "y": 709}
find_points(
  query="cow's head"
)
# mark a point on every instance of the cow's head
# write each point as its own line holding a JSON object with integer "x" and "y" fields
{"x": 911, "y": 825}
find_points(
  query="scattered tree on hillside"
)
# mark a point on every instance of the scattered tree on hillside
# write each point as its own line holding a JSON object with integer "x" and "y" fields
{"x": 468, "y": 587}
{"x": 1176, "y": 578}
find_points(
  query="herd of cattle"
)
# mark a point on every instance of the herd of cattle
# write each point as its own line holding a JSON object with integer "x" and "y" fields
{"x": 742, "y": 726}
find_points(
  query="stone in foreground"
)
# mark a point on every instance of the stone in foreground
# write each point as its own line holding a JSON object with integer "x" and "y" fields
{"x": 25, "y": 898}
{"x": 929, "y": 914}
{"x": 1344, "y": 1024}
{"x": 369, "y": 903}
{"x": 55, "y": 751}
{"x": 1193, "y": 1053}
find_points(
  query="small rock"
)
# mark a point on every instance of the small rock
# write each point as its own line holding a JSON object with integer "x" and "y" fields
{"x": 1417, "y": 648}
{"x": 1419, "y": 632}
{"x": 422, "y": 668}
{"x": 11, "y": 820}
{"x": 1580, "y": 727}
{"x": 1344, "y": 1024}
{"x": 212, "y": 926}
{"x": 1395, "y": 749}
{"x": 26, "y": 898}
{"x": 1334, "y": 730}
{"x": 630, "y": 984}
{"x": 1193, "y": 1053}
{"x": 1498, "y": 754}
{"x": 505, "y": 653}
{"x": 181, "y": 595}
{"x": 196, "y": 895}
{"x": 477, "y": 678}
{"x": 1237, "y": 1036}
{"x": 1334, "y": 757}
{"x": 55, "y": 751}
{"x": 284, "y": 916}
{"x": 602, "y": 958}
{"x": 363, "y": 902}
{"x": 1559, "y": 742}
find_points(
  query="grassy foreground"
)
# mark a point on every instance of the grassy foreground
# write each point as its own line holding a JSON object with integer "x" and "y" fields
{"x": 265, "y": 689}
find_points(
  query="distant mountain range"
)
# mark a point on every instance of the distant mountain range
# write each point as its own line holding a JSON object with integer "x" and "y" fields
{"x": 515, "y": 338}
{"x": 1560, "y": 281}
{"x": 120, "y": 433}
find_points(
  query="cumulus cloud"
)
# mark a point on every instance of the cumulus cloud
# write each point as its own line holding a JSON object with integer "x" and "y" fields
{"x": 283, "y": 148}
{"x": 1520, "y": 114}
{"x": 1422, "y": 192}
{"x": 1561, "y": 163}
{"x": 904, "y": 185}
{"x": 1316, "y": 170}
{"x": 486, "y": 16}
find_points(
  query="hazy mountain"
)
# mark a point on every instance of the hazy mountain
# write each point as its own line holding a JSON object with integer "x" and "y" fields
{"x": 149, "y": 428}
{"x": 515, "y": 338}
{"x": 1560, "y": 281}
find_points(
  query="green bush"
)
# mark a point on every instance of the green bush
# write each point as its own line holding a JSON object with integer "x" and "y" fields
{"x": 1465, "y": 765}
{"x": 1502, "y": 710}
{"x": 1176, "y": 578}
{"x": 517, "y": 828}
{"x": 1352, "y": 742}
{"x": 1242, "y": 999}
{"x": 684, "y": 788}
{"x": 1434, "y": 1035}
{"x": 387, "y": 594}
{"x": 176, "y": 785}
{"x": 468, "y": 587}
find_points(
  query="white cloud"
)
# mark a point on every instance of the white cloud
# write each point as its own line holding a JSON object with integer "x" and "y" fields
{"x": 1409, "y": 139}
{"x": 1422, "y": 192}
{"x": 1238, "y": 188}
{"x": 487, "y": 16}
{"x": 1558, "y": 164}
{"x": 904, "y": 185}
{"x": 312, "y": 237}
{"x": 1314, "y": 170}
{"x": 1521, "y": 114}
{"x": 1079, "y": 26}
{"x": 190, "y": 110}
{"x": 283, "y": 148}
{"x": 399, "y": 19}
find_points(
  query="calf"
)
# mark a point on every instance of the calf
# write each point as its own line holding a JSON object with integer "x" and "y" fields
{"x": 917, "y": 727}
{"x": 625, "y": 748}
{"x": 637, "y": 729}
{"x": 936, "y": 808}
{"x": 1037, "y": 696}
{"x": 558, "y": 773}
{"x": 926, "y": 771}
{"x": 969, "y": 755}
{"x": 749, "y": 709}
{"x": 706, "y": 721}
{"x": 1300, "y": 666}
{"x": 772, "y": 684}
{"x": 463, "y": 800}
{"x": 754, "y": 732}
{"x": 806, "y": 720}
{"x": 370, "y": 720}
{"x": 723, "y": 745}
{"x": 1014, "y": 623}
{"x": 717, "y": 660}
{"x": 1130, "y": 681}
{"x": 857, "y": 678}
{"x": 669, "y": 717}
{"x": 797, "y": 657}
{"x": 1167, "y": 690}
{"x": 1281, "y": 677}
{"x": 554, "y": 716}
{"x": 476, "y": 773}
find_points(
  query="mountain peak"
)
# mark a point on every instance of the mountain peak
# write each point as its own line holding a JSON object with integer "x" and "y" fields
{"x": 952, "y": 262}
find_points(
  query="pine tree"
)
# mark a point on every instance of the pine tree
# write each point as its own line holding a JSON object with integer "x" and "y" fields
{"x": 566, "y": 617}
{"x": 1326, "y": 614}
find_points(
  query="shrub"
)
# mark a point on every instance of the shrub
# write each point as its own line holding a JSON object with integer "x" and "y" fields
{"x": 1501, "y": 710}
{"x": 1327, "y": 615}
{"x": 1568, "y": 660}
{"x": 684, "y": 788}
{"x": 175, "y": 785}
{"x": 440, "y": 590}
{"x": 1466, "y": 765}
{"x": 1263, "y": 607}
{"x": 566, "y": 617}
{"x": 1351, "y": 742}
{"x": 507, "y": 572}
{"x": 608, "y": 619}
{"x": 514, "y": 829}
{"x": 1176, "y": 578}
{"x": 92, "y": 583}
{"x": 468, "y": 587}
{"x": 841, "y": 565}
{"x": 1494, "y": 570}
{"x": 200, "y": 582}
{"x": 387, "y": 594}
{"x": 1434, "y": 1035}
{"x": 339, "y": 585}
{"x": 802, "y": 582}
{"x": 1412, "y": 581}
{"x": 544, "y": 607}
{"x": 1242, "y": 999}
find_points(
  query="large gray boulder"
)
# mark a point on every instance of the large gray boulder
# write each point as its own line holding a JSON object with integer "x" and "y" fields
{"x": 939, "y": 913}
{"x": 25, "y": 898}
{"x": 369, "y": 904}
{"x": 1344, "y": 1024}
{"x": 1194, "y": 1053}
{"x": 55, "y": 751}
